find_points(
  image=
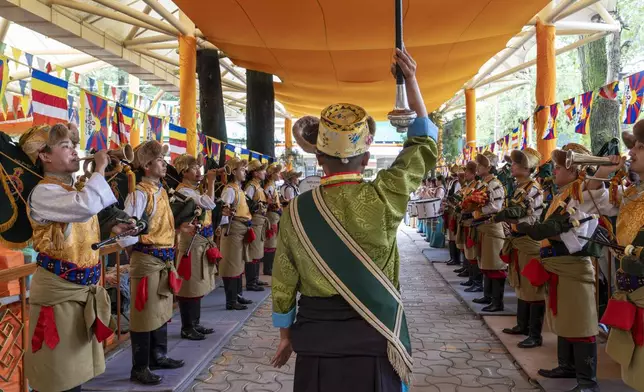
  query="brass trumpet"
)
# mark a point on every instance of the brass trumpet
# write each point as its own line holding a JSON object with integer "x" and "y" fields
{"x": 576, "y": 159}
{"x": 124, "y": 154}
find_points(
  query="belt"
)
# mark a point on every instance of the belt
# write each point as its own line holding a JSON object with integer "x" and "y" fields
{"x": 628, "y": 283}
{"x": 165, "y": 254}
{"x": 207, "y": 231}
{"x": 69, "y": 271}
{"x": 558, "y": 248}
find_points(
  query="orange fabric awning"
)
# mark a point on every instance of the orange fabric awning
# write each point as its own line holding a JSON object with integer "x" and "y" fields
{"x": 329, "y": 51}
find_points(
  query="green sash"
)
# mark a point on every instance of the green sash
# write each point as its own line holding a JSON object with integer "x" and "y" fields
{"x": 354, "y": 275}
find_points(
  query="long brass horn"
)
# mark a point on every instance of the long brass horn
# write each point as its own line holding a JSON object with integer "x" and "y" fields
{"x": 125, "y": 153}
{"x": 577, "y": 159}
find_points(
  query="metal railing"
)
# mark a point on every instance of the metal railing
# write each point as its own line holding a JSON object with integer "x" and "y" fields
{"x": 14, "y": 334}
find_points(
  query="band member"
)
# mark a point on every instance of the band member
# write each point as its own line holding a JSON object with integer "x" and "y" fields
{"x": 437, "y": 239}
{"x": 344, "y": 265}
{"x": 490, "y": 236}
{"x": 197, "y": 249}
{"x": 273, "y": 215}
{"x": 567, "y": 270}
{"x": 290, "y": 189}
{"x": 454, "y": 186}
{"x": 236, "y": 235}
{"x": 524, "y": 207}
{"x": 624, "y": 312}
{"x": 153, "y": 278}
{"x": 69, "y": 311}
{"x": 255, "y": 192}
{"x": 467, "y": 235}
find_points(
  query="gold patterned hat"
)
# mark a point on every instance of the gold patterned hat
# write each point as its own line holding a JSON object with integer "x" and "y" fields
{"x": 38, "y": 137}
{"x": 487, "y": 159}
{"x": 236, "y": 163}
{"x": 528, "y": 158}
{"x": 345, "y": 131}
{"x": 184, "y": 161}
{"x": 559, "y": 155}
{"x": 256, "y": 165}
{"x": 290, "y": 175}
{"x": 274, "y": 168}
{"x": 147, "y": 152}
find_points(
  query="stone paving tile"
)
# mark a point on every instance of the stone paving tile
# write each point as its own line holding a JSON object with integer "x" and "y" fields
{"x": 453, "y": 349}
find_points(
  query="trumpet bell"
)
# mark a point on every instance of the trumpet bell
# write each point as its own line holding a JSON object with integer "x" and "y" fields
{"x": 125, "y": 153}
{"x": 577, "y": 159}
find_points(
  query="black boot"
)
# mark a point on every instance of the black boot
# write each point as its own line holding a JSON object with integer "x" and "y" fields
{"x": 251, "y": 279}
{"x": 141, "y": 360}
{"x": 487, "y": 292}
{"x": 200, "y": 328}
{"x": 159, "y": 345}
{"x": 453, "y": 253}
{"x": 230, "y": 288}
{"x": 523, "y": 318}
{"x": 585, "y": 367}
{"x": 268, "y": 263}
{"x": 537, "y": 311}
{"x": 469, "y": 273}
{"x": 477, "y": 279}
{"x": 565, "y": 360}
{"x": 498, "y": 289}
{"x": 240, "y": 298}
{"x": 188, "y": 318}
{"x": 257, "y": 281}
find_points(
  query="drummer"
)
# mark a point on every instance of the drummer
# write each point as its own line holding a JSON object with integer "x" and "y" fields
{"x": 437, "y": 239}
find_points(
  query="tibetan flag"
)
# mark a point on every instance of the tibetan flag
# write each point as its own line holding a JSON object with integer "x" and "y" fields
{"x": 202, "y": 145}
{"x": 265, "y": 159}
{"x": 230, "y": 151}
{"x": 570, "y": 107}
{"x": 551, "y": 130}
{"x": 524, "y": 132}
{"x": 610, "y": 90}
{"x": 121, "y": 125}
{"x": 153, "y": 128}
{"x": 93, "y": 121}
{"x": 506, "y": 141}
{"x": 214, "y": 148}
{"x": 245, "y": 154}
{"x": 49, "y": 96}
{"x": 633, "y": 98}
{"x": 583, "y": 114}
{"x": 515, "y": 138}
{"x": 178, "y": 141}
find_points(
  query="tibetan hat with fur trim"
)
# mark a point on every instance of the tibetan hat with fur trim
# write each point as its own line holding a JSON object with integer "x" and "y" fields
{"x": 184, "y": 161}
{"x": 528, "y": 158}
{"x": 637, "y": 136}
{"x": 147, "y": 152}
{"x": 559, "y": 155}
{"x": 34, "y": 141}
{"x": 455, "y": 169}
{"x": 236, "y": 163}
{"x": 487, "y": 159}
{"x": 471, "y": 167}
{"x": 291, "y": 174}
{"x": 273, "y": 168}
{"x": 256, "y": 165}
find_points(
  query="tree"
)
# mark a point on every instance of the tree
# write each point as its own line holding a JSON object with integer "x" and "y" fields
{"x": 452, "y": 134}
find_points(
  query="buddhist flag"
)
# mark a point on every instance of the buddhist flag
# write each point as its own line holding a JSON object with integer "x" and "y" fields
{"x": 121, "y": 126}
{"x": 633, "y": 97}
{"x": 265, "y": 159}
{"x": 4, "y": 75}
{"x": 245, "y": 154}
{"x": 230, "y": 151}
{"x": 570, "y": 107}
{"x": 551, "y": 129}
{"x": 153, "y": 128}
{"x": 178, "y": 141}
{"x": 583, "y": 115}
{"x": 610, "y": 90}
{"x": 49, "y": 96}
{"x": 255, "y": 155}
{"x": 93, "y": 121}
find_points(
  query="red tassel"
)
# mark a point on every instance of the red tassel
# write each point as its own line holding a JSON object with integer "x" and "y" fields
{"x": 469, "y": 243}
{"x": 452, "y": 225}
{"x": 638, "y": 327}
{"x": 141, "y": 294}
{"x": 504, "y": 257}
{"x": 535, "y": 273}
{"x": 45, "y": 330}
{"x": 185, "y": 266}
{"x": 619, "y": 314}
{"x": 174, "y": 282}
{"x": 250, "y": 236}
{"x": 101, "y": 331}
{"x": 213, "y": 255}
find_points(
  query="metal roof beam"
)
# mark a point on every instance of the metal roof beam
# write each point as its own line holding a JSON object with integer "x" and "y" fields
{"x": 167, "y": 15}
{"x": 143, "y": 17}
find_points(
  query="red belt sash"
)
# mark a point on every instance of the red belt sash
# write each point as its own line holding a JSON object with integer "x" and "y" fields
{"x": 625, "y": 315}
{"x": 538, "y": 276}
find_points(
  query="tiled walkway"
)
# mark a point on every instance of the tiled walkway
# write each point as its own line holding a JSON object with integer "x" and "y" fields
{"x": 453, "y": 350}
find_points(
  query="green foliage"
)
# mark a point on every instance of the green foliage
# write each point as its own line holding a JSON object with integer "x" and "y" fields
{"x": 452, "y": 134}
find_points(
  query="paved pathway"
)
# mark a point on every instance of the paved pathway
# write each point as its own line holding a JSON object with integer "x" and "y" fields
{"x": 453, "y": 349}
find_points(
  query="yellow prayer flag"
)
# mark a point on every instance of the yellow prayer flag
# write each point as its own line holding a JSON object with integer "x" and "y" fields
{"x": 59, "y": 70}
{"x": 100, "y": 87}
{"x": 130, "y": 98}
{"x": 24, "y": 102}
{"x": 16, "y": 55}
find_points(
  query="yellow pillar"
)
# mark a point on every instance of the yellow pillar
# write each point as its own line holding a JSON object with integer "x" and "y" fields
{"x": 470, "y": 117}
{"x": 546, "y": 85}
{"x": 188, "y": 86}
{"x": 135, "y": 132}
{"x": 288, "y": 133}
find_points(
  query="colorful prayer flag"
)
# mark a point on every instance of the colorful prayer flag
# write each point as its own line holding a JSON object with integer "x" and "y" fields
{"x": 570, "y": 107}
{"x": 633, "y": 97}
{"x": 610, "y": 90}
{"x": 153, "y": 128}
{"x": 255, "y": 155}
{"x": 49, "y": 96}
{"x": 178, "y": 141}
{"x": 214, "y": 148}
{"x": 515, "y": 138}
{"x": 551, "y": 130}
{"x": 4, "y": 75}
{"x": 121, "y": 126}
{"x": 230, "y": 151}
{"x": 245, "y": 154}
{"x": 93, "y": 121}
{"x": 524, "y": 132}
{"x": 265, "y": 159}
{"x": 202, "y": 144}
{"x": 583, "y": 115}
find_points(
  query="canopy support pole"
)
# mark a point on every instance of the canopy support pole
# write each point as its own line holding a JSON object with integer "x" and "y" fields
{"x": 546, "y": 85}
{"x": 260, "y": 112}
{"x": 188, "y": 84}
{"x": 211, "y": 99}
{"x": 470, "y": 117}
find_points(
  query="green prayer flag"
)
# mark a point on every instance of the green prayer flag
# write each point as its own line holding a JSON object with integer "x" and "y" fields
{"x": 68, "y": 74}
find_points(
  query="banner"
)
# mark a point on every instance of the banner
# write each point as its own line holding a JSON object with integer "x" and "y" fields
{"x": 153, "y": 128}
{"x": 551, "y": 129}
{"x": 121, "y": 126}
{"x": 49, "y": 95}
{"x": 583, "y": 115}
{"x": 230, "y": 151}
{"x": 178, "y": 141}
{"x": 633, "y": 97}
{"x": 93, "y": 121}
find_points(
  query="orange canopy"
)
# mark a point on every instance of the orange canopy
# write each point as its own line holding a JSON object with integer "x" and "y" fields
{"x": 329, "y": 51}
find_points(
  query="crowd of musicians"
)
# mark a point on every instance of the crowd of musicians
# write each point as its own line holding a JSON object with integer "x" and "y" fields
{"x": 180, "y": 228}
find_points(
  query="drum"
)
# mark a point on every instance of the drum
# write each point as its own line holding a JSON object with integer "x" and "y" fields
{"x": 412, "y": 208}
{"x": 429, "y": 208}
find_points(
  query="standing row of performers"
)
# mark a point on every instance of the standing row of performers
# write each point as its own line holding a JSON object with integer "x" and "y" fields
{"x": 170, "y": 236}
{"x": 541, "y": 240}
{"x": 432, "y": 229}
